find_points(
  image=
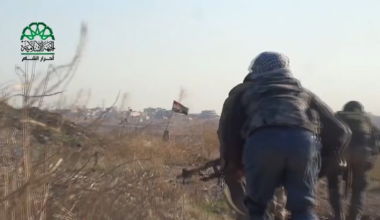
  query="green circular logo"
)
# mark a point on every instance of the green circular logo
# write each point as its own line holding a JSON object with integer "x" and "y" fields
{"x": 37, "y": 29}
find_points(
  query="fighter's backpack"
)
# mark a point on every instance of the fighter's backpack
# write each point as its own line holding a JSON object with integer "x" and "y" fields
{"x": 364, "y": 133}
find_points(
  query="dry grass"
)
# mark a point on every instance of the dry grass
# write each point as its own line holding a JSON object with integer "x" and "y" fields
{"x": 128, "y": 178}
{"x": 52, "y": 169}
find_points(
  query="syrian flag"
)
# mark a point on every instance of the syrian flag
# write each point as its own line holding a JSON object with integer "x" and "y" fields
{"x": 179, "y": 108}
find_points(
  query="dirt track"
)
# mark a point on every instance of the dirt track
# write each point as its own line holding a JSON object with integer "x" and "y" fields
{"x": 372, "y": 207}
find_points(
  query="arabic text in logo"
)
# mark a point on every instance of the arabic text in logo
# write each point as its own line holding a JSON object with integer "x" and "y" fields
{"x": 37, "y": 42}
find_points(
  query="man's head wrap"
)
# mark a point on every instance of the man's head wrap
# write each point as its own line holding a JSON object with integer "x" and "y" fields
{"x": 268, "y": 61}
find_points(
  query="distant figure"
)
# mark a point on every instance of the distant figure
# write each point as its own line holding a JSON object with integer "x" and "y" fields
{"x": 166, "y": 136}
{"x": 360, "y": 154}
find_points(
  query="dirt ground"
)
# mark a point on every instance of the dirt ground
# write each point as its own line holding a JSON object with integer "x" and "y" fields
{"x": 372, "y": 207}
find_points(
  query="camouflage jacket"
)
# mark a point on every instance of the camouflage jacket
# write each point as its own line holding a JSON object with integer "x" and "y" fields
{"x": 278, "y": 99}
{"x": 364, "y": 133}
{"x": 274, "y": 99}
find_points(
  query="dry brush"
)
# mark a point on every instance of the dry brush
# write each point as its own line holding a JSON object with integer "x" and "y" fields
{"x": 51, "y": 168}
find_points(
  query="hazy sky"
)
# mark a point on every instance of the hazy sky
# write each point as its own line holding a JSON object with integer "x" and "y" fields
{"x": 150, "y": 48}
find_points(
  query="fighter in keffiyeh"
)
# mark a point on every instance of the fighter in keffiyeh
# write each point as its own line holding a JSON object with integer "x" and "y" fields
{"x": 179, "y": 108}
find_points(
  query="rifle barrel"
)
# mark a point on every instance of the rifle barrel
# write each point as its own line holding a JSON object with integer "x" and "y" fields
{"x": 188, "y": 173}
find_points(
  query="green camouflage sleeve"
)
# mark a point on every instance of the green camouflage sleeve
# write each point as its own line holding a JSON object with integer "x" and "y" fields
{"x": 375, "y": 137}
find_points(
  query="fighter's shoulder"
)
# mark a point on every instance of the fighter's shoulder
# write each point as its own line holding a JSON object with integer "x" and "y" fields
{"x": 318, "y": 102}
{"x": 339, "y": 114}
{"x": 239, "y": 88}
{"x": 308, "y": 93}
{"x": 233, "y": 94}
{"x": 371, "y": 122}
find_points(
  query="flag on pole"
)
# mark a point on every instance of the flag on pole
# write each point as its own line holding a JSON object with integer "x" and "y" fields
{"x": 179, "y": 108}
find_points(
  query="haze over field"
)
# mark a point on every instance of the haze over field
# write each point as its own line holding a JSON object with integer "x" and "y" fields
{"x": 151, "y": 48}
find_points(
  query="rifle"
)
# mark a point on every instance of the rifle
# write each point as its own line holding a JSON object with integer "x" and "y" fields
{"x": 186, "y": 174}
{"x": 217, "y": 174}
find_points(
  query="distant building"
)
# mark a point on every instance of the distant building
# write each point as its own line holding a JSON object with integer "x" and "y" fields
{"x": 208, "y": 114}
{"x": 162, "y": 114}
{"x": 147, "y": 114}
{"x": 156, "y": 113}
{"x": 149, "y": 111}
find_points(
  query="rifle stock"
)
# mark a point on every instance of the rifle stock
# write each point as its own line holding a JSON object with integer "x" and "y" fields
{"x": 217, "y": 174}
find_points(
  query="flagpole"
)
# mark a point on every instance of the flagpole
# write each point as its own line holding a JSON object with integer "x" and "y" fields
{"x": 166, "y": 137}
{"x": 170, "y": 117}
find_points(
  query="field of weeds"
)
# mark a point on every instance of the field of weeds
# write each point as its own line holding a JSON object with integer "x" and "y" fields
{"x": 101, "y": 176}
{"x": 51, "y": 168}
